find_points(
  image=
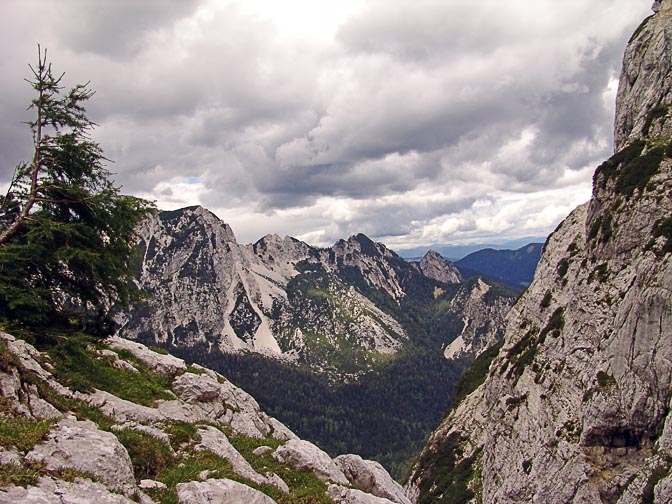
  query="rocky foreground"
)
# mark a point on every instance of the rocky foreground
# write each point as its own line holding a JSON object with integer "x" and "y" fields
{"x": 116, "y": 422}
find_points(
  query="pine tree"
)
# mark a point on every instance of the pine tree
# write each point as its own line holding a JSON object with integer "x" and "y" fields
{"x": 66, "y": 233}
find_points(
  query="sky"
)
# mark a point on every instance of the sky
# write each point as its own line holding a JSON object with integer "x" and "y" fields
{"x": 416, "y": 122}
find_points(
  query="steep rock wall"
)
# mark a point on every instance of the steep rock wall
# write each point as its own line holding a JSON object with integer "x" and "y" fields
{"x": 575, "y": 408}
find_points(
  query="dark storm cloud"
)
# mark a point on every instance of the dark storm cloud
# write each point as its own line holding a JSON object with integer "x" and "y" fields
{"x": 418, "y": 120}
{"x": 117, "y": 28}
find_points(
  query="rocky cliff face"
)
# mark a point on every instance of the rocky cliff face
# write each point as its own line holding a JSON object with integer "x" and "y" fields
{"x": 433, "y": 265}
{"x": 116, "y": 423}
{"x": 575, "y": 407}
{"x": 338, "y": 308}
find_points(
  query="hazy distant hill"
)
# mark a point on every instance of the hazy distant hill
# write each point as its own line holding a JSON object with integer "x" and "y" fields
{"x": 515, "y": 267}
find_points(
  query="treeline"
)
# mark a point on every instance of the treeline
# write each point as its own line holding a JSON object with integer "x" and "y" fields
{"x": 384, "y": 416}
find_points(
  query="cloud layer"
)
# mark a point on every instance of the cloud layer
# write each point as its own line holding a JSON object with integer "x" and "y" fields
{"x": 419, "y": 122}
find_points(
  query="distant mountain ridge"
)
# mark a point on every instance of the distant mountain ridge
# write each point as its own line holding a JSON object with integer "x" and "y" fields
{"x": 514, "y": 267}
{"x": 339, "y": 308}
{"x": 457, "y": 252}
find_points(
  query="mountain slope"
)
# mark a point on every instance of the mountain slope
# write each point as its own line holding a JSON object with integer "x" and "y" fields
{"x": 114, "y": 422}
{"x": 354, "y": 331}
{"x": 575, "y": 407}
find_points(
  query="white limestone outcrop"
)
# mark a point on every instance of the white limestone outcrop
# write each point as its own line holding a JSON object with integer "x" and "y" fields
{"x": 81, "y": 445}
{"x": 305, "y": 456}
{"x": 220, "y": 490}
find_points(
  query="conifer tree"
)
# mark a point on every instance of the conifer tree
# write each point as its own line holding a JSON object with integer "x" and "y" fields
{"x": 66, "y": 233}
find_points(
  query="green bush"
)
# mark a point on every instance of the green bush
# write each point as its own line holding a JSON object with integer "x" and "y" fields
{"x": 637, "y": 173}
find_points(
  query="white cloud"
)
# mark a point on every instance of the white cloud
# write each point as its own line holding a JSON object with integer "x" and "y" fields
{"x": 414, "y": 122}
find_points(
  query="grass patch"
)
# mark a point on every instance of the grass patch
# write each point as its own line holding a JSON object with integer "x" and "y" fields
{"x": 182, "y": 433}
{"x": 149, "y": 455}
{"x": 78, "y": 367}
{"x": 23, "y": 476}
{"x": 304, "y": 486}
{"x": 625, "y": 156}
{"x": 22, "y": 432}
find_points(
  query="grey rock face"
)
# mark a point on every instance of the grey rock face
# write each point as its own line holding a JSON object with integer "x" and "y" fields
{"x": 305, "y": 456}
{"x": 645, "y": 85}
{"x": 215, "y": 441}
{"x": 81, "y": 445}
{"x": 575, "y": 408}
{"x": 220, "y": 490}
{"x": 483, "y": 319}
{"x": 165, "y": 365}
{"x": 50, "y": 491}
{"x": 342, "y": 495}
{"x": 371, "y": 477}
{"x": 433, "y": 265}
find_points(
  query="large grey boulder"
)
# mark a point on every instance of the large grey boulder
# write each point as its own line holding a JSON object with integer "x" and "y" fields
{"x": 163, "y": 364}
{"x": 371, "y": 477}
{"x": 305, "y": 456}
{"x": 81, "y": 445}
{"x": 215, "y": 441}
{"x": 50, "y": 491}
{"x": 342, "y": 495}
{"x": 220, "y": 490}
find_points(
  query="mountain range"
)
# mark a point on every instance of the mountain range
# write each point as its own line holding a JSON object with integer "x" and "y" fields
{"x": 566, "y": 398}
{"x": 346, "y": 328}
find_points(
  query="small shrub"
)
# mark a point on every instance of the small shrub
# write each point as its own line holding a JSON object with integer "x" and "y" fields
{"x": 637, "y": 173}
{"x": 648, "y": 495}
{"x": 527, "y": 466}
{"x": 554, "y": 326}
{"x": 663, "y": 227}
{"x": 605, "y": 380}
{"x": 601, "y": 273}
{"x": 513, "y": 402}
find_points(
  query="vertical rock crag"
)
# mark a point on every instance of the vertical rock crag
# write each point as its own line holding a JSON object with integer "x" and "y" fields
{"x": 576, "y": 405}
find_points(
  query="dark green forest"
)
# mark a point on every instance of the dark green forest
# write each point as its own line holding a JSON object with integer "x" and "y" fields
{"x": 385, "y": 415}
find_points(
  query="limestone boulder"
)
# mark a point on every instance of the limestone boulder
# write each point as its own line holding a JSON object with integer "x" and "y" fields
{"x": 50, "y": 491}
{"x": 82, "y": 446}
{"x": 305, "y": 456}
{"x": 219, "y": 490}
{"x": 215, "y": 441}
{"x": 371, "y": 477}
{"x": 343, "y": 495}
{"x": 163, "y": 364}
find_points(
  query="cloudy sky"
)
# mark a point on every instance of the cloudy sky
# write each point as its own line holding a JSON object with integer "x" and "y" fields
{"x": 416, "y": 122}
